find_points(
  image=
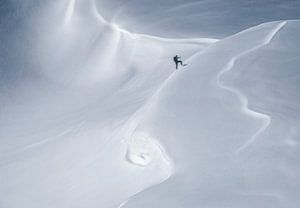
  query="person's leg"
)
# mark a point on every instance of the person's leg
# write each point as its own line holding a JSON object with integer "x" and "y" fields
{"x": 176, "y": 65}
{"x": 180, "y": 62}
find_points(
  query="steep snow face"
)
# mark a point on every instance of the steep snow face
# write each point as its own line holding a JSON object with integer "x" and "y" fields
{"x": 94, "y": 114}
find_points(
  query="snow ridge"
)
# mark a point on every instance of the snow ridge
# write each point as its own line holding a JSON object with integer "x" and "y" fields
{"x": 136, "y": 153}
{"x": 140, "y": 159}
{"x": 266, "y": 119}
{"x": 132, "y": 124}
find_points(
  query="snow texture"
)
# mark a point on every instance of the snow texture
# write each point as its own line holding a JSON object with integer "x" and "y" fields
{"x": 94, "y": 114}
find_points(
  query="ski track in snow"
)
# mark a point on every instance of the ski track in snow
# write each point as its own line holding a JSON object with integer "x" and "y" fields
{"x": 53, "y": 138}
{"x": 266, "y": 119}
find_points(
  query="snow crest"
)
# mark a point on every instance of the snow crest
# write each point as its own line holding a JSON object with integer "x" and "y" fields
{"x": 266, "y": 119}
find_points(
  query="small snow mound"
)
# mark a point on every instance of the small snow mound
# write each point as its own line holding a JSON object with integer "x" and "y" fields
{"x": 144, "y": 149}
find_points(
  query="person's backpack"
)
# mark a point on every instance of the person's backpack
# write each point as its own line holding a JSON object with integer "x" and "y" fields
{"x": 175, "y": 58}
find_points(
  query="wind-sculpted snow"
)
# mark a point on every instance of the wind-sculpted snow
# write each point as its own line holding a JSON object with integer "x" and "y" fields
{"x": 194, "y": 18}
{"x": 232, "y": 143}
{"x": 70, "y": 109}
{"x": 266, "y": 119}
{"x": 94, "y": 114}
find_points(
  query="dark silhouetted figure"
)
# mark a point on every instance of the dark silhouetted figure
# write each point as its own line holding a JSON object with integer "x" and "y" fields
{"x": 177, "y": 61}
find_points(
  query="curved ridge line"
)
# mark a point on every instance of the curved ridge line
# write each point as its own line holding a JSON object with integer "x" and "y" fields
{"x": 243, "y": 99}
{"x": 133, "y": 123}
{"x": 135, "y": 119}
{"x": 136, "y": 35}
{"x": 69, "y": 11}
{"x": 71, "y": 8}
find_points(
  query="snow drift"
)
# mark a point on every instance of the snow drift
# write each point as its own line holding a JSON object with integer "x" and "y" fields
{"x": 93, "y": 115}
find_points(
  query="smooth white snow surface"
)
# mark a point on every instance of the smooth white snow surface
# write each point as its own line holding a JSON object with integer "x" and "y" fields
{"x": 93, "y": 114}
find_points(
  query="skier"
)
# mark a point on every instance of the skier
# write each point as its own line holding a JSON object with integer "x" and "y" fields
{"x": 178, "y": 61}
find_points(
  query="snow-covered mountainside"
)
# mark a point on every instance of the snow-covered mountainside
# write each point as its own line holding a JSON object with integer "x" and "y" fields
{"x": 94, "y": 114}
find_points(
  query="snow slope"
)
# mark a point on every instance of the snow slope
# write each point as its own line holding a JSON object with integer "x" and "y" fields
{"x": 93, "y": 115}
{"x": 234, "y": 142}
